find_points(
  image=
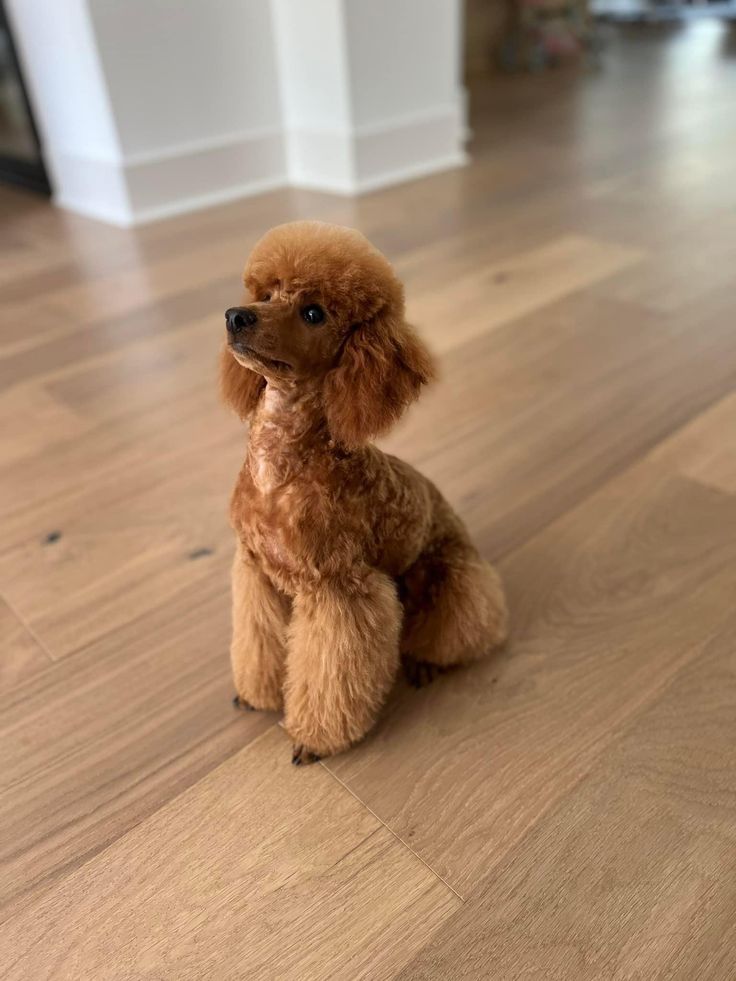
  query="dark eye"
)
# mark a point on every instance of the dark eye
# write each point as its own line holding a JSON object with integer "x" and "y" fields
{"x": 265, "y": 298}
{"x": 313, "y": 314}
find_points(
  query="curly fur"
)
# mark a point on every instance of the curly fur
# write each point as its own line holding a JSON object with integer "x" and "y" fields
{"x": 347, "y": 557}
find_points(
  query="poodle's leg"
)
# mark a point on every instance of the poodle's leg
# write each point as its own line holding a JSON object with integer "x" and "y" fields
{"x": 455, "y": 608}
{"x": 258, "y": 650}
{"x": 342, "y": 660}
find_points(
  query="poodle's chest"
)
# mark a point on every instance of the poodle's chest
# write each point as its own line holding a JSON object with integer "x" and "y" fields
{"x": 272, "y": 525}
{"x": 276, "y": 555}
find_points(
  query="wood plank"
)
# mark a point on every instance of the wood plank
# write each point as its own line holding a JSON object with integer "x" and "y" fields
{"x": 607, "y": 604}
{"x": 145, "y": 405}
{"x": 17, "y": 335}
{"x": 99, "y": 530}
{"x": 97, "y": 743}
{"x": 705, "y": 449}
{"x": 38, "y": 422}
{"x": 634, "y": 874}
{"x": 89, "y": 570}
{"x": 543, "y": 411}
{"x": 679, "y": 277}
{"x": 83, "y": 341}
{"x": 533, "y": 416}
{"x": 119, "y": 292}
{"x": 260, "y": 869}
{"x": 462, "y": 308}
{"x": 507, "y": 473}
{"x": 22, "y": 654}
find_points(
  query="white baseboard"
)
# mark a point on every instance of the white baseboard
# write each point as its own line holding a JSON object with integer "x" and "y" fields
{"x": 320, "y": 160}
{"x": 92, "y": 187}
{"x": 148, "y": 187}
{"x": 355, "y": 162}
{"x": 386, "y": 179}
{"x": 409, "y": 148}
{"x": 412, "y": 172}
{"x": 194, "y": 177}
{"x": 208, "y": 200}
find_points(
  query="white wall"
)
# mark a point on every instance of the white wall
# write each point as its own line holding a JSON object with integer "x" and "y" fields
{"x": 310, "y": 39}
{"x": 194, "y": 94}
{"x": 312, "y": 55}
{"x": 204, "y": 70}
{"x": 67, "y": 89}
{"x": 149, "y": 107}
{"x": 412, "y": 68}
{"x": 371, "y": 90}
{"x": 408, "y": 103}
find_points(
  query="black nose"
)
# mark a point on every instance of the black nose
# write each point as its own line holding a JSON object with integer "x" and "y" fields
{"x": 238, "y": 318}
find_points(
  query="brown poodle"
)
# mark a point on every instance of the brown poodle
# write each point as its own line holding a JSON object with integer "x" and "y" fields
{"x": 347, "y": 558}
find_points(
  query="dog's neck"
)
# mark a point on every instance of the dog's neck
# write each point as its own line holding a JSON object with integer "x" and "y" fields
{"x": 287, "y": 431}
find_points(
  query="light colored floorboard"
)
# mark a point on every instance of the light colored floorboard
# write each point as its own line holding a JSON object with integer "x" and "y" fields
{"x": 96, "y": 743}
{"x": 608, "y": 603}
{"x": 22, "y": 654}
{"x": 490, "y": 295}
{"x": 705, "y": 449}
{"x": 634, "y": 875}
{"x": 261, "y": 870}
{"x": 533, "y": 416}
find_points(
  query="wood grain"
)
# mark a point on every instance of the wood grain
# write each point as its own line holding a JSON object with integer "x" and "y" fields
{"x": 547, "y": 408}
{"x": 256, "y": 850}
{"x": 677, "y": 278}
{"x": 608, "y": 603}
{"x": 134, "y": 534}
{"x": 40, "y": 420}
{"x": 705, "y": 449}
{"x": 634, "y": 875}
{"x": 22, "y": 654}
{"x": 488, "y": 296}
{"x": 101, "y": 740}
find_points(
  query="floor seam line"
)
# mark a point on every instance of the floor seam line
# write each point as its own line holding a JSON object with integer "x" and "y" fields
{"x": 398, "y": 837}
{"x": 607, "y": 744}
{"x": 637, "y": 459}
{"x": 27, "y": 626}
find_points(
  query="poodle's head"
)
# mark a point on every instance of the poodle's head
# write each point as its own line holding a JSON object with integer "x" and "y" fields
{"x": 323, "y": 309}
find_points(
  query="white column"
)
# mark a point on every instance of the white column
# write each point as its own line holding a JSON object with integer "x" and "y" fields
{"x": 66, "y": 83}
{"x": 371, "y": 90}
{"x": 195, "y": 97}
{"x": 151, "y": 107}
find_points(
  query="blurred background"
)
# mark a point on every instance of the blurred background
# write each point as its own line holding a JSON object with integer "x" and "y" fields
{"x": 554, "y": 182}
{"x": 133, "y": 111}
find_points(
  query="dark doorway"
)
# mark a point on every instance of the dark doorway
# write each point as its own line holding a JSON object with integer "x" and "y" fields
{"x": 21, "y": 159}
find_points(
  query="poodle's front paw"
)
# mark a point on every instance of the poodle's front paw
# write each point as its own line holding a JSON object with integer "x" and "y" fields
{"x": 303, "y": 756}
{"x": 241, "y": 703}
{"x": 419, "y": 674}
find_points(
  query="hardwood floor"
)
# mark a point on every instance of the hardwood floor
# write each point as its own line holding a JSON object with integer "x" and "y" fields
{"x": 565, "y": 810}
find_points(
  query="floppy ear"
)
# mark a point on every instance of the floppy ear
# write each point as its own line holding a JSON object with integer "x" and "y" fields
{"x": 240, "y": 387}
{"x": 380, "y": 373}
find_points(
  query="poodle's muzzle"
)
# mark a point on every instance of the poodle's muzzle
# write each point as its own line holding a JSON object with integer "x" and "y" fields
{"x": 245, "y": 334}
{"x": 239, "y": 319}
